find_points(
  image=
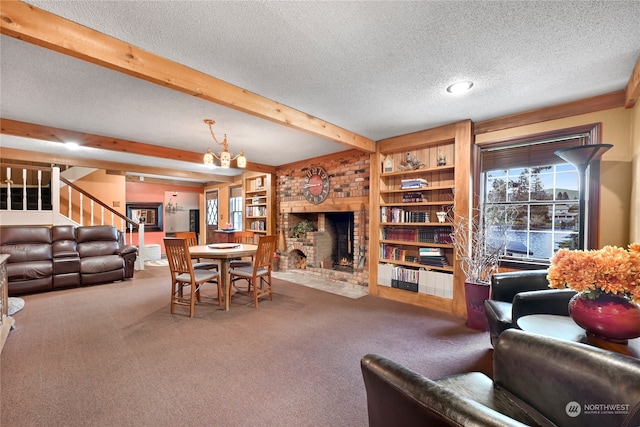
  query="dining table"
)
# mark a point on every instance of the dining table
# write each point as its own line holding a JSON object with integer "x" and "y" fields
{"x": 224, "y": 252}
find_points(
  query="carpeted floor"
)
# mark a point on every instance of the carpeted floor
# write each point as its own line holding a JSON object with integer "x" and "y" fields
{"x": 113, "y": 355}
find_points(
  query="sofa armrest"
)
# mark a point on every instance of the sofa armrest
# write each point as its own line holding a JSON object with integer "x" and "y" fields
{"x": 548, "y": 301}
{"x": 129, "y": 254}
{"x": 128, "y": 249}
{"x": 549, "y": 374}
{"x": 398, "y": 396}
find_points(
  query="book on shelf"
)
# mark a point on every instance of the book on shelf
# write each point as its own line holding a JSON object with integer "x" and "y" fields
{"x": 399, "y": 233}
{"x": 413, "y": 198}
{"x": 413, "y": 183}
{"x": 395, "y": 214}
{"x": 434, "y": 252}
{"x": 435, "y": 235}
{"x": 405, "y": 278}
{"x": 392, "y": 252}
{"x": 434, "y": 261}
{"x": 258, "y": 225}
{"x": 256, "y": 211}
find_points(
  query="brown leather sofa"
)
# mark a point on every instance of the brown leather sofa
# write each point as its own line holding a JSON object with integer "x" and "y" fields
{"x": 45, "y": 258}
{"x": 537, "y": 381}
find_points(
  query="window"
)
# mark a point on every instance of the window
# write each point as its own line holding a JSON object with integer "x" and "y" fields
{"x": 530, "y": 197}
{"x": 212, "y": 208}
{"x": 235, "y": 207}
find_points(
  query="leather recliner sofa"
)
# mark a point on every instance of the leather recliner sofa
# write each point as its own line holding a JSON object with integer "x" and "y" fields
{"x": 538, "y": 381}
{"x": 518, "y": 293}
{"x": 44, "y": 258}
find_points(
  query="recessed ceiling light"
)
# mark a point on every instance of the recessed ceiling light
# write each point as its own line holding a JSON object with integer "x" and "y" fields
{"x": 71, "y": 145}
{"x": 460, "y": 87}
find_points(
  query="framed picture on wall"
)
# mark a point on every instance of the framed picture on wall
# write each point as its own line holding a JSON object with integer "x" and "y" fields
{"x": 149, "y": 214}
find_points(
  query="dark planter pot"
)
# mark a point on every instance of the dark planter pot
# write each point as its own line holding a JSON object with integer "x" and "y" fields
{"x": 476, "y": 294}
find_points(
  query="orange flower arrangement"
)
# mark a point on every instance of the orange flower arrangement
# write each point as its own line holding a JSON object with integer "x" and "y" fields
{"x": 611, "y": 270}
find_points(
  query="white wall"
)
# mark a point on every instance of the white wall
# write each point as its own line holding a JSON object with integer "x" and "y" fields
{"x": 178, "y": 220}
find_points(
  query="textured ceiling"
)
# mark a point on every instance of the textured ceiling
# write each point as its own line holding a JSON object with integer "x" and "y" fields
{"x": 378, "y": 69}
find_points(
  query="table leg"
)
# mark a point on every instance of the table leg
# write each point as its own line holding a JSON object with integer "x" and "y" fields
{"x": 224, "y": 276}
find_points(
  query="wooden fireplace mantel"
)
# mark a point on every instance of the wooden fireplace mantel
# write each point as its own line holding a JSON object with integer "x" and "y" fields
{"x": 345, "y": 204}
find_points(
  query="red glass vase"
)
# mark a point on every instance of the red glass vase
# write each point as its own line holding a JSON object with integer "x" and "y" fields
{"x": 607, "y": 316}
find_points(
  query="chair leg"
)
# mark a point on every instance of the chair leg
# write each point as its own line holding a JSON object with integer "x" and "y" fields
{"x": 197, "y": 293}
{"x": 192, "y": 301}
{"x": 173, "y": 296}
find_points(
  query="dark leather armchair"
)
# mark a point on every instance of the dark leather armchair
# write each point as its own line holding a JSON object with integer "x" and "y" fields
{"x": 538, "y": 381}
{"x": 518, "y": 293}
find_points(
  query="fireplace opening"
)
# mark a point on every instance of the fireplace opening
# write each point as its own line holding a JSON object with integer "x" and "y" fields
{"x": 340, "y": 226}
{"x": 330, "y": 246}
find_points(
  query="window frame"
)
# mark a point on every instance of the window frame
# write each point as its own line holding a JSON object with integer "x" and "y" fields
{"x": 594, "y": 132}
{"x": 238, "y": 204}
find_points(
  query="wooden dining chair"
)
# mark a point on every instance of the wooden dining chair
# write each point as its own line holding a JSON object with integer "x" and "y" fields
{"x": 258, "y": 275}
{"x": 243, "y": 237}
{"x": 192, "y": 240}
{"x": 183, "y": 274}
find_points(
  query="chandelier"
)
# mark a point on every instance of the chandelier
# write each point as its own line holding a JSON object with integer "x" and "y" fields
{"x": 224, "y": 157}
{"x": 173, "y": 208}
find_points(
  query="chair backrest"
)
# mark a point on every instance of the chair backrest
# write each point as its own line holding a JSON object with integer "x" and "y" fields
{"x": 505, "y": 286}
{"x": 178, "y": 256}
{"x": 265, "y": 252}
{"x": 190, "y": 236}
{"x": 247, "y": 237}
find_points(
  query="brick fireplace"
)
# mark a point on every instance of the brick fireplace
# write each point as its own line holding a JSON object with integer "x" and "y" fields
{"x": 337, "y": 249}
{"x": 332, "y": 246}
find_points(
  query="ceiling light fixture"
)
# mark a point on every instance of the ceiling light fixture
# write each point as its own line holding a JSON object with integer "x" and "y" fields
{"x": 224, "y": 157}
{"x": 72, "y": 145}
{"x": 460, "y": 87}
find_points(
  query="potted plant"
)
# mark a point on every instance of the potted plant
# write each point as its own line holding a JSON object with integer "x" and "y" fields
{"x": 478, "y": 253}
{"x": 302, "y": 228}
{"x": 607, "y": 282}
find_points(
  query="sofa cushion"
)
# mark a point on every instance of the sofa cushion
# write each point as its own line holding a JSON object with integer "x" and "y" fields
{"x": 25, "y": 252}
{"x": 478, "y": 387}
{"x": 25, "y": 234}
{"x": 100, "y": 264}
{"x": 91, "y": 249}
{"x": 97, "y": 241}
{"x": 97, "y": 233}
{"x": 64, "y": 248}
{"x": 63, "y": 232}
{"x": 64, "y": 241}
{"x": 20, "y": 271}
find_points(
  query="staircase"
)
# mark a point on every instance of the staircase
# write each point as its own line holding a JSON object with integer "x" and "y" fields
{"x": 25, "y": 200}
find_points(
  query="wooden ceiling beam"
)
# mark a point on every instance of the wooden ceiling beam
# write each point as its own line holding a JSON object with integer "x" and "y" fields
{"x": 28, "y": 23}
{"x": 632, "y": 91}
{"x": 52, "y": 134}
{"x": 65, "y": 159}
